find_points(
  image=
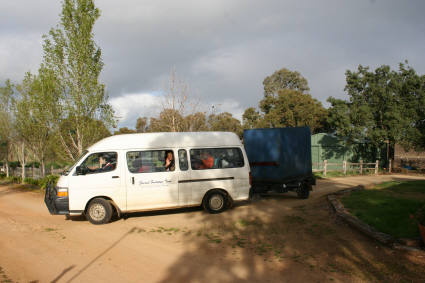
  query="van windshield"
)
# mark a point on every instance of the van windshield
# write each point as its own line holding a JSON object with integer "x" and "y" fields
{"x": 66, "y": 172}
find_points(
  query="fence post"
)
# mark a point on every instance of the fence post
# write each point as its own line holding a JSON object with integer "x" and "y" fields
{"x": 376, "y": 166}
{"x": 51, "y": 170}
{"x": 361, "y": 166}
{"x": 324, "y": 168}
{"x": 344, "y": 167}
{"x": 389, "y": 168}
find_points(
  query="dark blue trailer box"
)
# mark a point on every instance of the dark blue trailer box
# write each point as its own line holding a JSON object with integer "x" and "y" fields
{"x": 280, "y": 159}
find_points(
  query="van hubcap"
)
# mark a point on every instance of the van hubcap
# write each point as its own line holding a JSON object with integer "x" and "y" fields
{"x": 97, "y": 212}
{"x": 216, "y": 202}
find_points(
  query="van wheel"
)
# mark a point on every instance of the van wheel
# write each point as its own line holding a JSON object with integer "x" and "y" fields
{"x": 303, "y": 191}
{"x": 99, "y": 211}
{"x": 215, "y": 202}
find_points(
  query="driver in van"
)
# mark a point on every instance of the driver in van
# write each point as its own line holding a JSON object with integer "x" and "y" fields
{"x": 104, "y": 164}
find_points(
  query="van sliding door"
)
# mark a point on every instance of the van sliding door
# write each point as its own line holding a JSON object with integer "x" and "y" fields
{"x": 150, "y": 184}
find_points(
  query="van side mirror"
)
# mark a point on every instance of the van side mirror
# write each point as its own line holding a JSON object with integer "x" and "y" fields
{"x": 80, "y": 171}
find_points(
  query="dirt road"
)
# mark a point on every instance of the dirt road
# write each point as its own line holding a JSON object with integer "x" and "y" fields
{"x": 277, "y": 238}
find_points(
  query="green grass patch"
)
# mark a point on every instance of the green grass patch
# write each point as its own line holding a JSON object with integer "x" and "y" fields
{"x": 388, "y": 206}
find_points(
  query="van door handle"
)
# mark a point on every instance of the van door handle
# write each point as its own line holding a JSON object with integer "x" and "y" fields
{"x": 113, "y": 177}
{"x": 132, "y": 180}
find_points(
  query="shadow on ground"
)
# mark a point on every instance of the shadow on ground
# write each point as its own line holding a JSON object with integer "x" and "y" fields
{"x": 272, "y": 242}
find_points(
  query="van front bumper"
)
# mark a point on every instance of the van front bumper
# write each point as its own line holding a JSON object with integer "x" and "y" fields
{"x": 55, "y": 204}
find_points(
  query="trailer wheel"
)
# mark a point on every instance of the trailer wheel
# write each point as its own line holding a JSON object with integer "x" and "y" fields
{"x": 99, "y": 211}
{"x": 215, "y": 202}
{"x": 303, "y": 190}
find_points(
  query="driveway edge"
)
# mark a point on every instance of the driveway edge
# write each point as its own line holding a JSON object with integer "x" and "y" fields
{"x": 381, "y": 237}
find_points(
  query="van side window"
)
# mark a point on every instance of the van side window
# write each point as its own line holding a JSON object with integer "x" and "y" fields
{"x": 183, "y": 160}
{"x": 216, "y": 158}
{"x": 100, "y": 162}
{"x": 150, "y": 161}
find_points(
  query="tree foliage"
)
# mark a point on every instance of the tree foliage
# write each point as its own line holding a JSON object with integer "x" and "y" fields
{"x": 225, "y": 122}
{"x": 284, "y": 79}
{"x": 72, "y": 55}
{"x": 292, "y": 108}
{"x": 124, "y": 130}
{"x": 286, "y": 103}
{"x": 385, "y": 105}
{"x": 251, "y": 118}
{"x": 142, "y": 125}
{"x": 6, "y": 118}
{"x": 32, "y": 121}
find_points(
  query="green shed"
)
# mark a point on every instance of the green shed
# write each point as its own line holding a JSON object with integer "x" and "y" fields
{"x": 329, "y": 147}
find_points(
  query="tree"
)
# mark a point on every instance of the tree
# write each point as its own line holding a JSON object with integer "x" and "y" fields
{"x": 124, "y": 130}
{"x": 64, "y": 136}
{"x": 225, "y": 122}
{"x": 195, "y": 123}
{"x": 251, "y": 118}
{"x": 6, "y": 118}
{"x": 32, "y": 121}
{"x": 180, "y": 108}
{"x": 284, "y": 79}
{"x": 142, "y": 125}
{"x": 292, "y": 108}
{"x": 75, "y": 60}
{"x": 384, "y": 106}
{"x": 169, "y": 120}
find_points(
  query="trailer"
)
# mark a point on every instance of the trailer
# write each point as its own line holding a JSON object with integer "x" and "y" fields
{"x": 280, "y": 160}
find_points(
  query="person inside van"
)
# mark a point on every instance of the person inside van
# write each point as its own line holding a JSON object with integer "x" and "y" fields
{"x": 207, "y": 160}
{"x": 104, "y": 164}
{"x": 169, "y": 161}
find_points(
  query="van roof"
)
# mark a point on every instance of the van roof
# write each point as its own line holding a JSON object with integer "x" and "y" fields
{"x": 167, "y": 140}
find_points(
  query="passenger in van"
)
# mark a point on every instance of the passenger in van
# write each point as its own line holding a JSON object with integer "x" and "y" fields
{"x": 144, "y": 169}
{"x": 169, "y": 161}
{"x": 207, "y": 160}
{"x": 104, "y": 164}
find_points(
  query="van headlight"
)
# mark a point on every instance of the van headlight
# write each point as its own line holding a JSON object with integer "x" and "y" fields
{"x": 62, "y": 192}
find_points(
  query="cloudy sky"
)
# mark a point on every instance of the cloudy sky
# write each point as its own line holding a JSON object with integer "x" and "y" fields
{"x": 224, "y": 48}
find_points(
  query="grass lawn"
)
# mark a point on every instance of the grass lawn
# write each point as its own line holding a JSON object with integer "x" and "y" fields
{"x": 387, "y": 207}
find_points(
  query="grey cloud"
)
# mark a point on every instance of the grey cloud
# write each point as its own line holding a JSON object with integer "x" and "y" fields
{"x": 227, "y": 48}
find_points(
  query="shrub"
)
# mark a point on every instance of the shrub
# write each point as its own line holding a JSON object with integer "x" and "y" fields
{"x": 15, "y": 179}
{"x": 31, "y": 181}
{"x": 42, "y": 183}
{"x": 2, "y": 175}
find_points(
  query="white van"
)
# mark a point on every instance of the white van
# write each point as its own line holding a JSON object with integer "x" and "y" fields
{"x": 149, "y": 171}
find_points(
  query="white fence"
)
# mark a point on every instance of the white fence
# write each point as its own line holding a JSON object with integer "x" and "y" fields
{"x": 345, "y": 168}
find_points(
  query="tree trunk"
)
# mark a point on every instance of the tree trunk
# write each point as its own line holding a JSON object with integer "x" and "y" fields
{"x": 23, "y": 162}
{"x": 42, "y": 169}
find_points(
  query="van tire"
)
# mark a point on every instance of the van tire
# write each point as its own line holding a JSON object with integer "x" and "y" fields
{"x": 99, "y": 211}
{"x": 303, "y": 190}
{"x": 215, "y": 202}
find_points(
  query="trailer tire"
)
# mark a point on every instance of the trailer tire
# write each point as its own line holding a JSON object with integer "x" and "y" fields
{"x": 215, "y": 202}
{"x": 99, "y": 211}
{"x": 303, "y": 190}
